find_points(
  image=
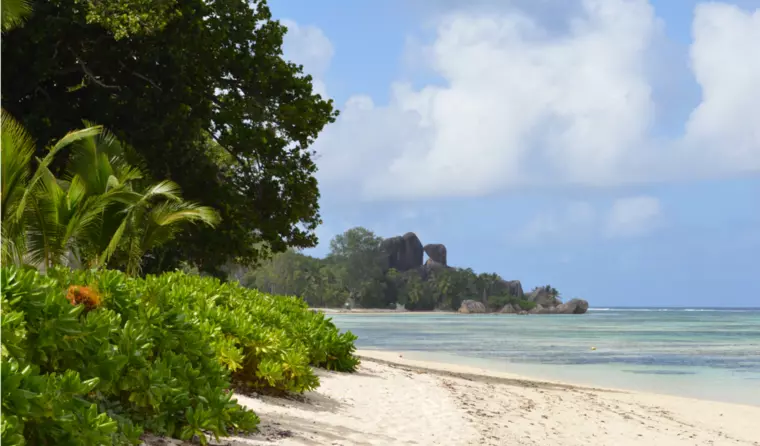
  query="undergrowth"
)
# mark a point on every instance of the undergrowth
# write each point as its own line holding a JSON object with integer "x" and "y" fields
{"x": 96, "y": 358}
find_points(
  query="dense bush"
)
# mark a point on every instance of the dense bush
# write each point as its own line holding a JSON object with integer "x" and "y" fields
{"x": 526, "y": 305}
{"x": 96, "y": 358}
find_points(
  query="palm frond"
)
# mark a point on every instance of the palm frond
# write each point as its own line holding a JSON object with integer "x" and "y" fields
{"x": 43, "y": 230}
{"x": 113, "y": 243}
{"x": 74, "y": 136}
{"x": 176, "y": 212}
{"x": 164, "y": 189}
{"x": 14, "y": 13}
{"x": 17, "y": 151}
{"x": 70, "y": 138}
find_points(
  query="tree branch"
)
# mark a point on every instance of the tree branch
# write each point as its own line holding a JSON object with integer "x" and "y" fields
{"x": 92, "y": 76}
{"x": 234, "y": 155}
{"x": 143, "y": 77}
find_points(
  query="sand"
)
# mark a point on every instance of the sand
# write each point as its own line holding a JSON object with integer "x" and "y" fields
{"x": 396, "y": 401}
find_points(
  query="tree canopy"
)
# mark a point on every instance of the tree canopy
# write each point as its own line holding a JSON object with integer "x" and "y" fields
{"x": 356, "y": 270}
{"x": 201, "y": 91}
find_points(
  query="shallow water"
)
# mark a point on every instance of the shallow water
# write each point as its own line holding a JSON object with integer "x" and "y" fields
{"x": 703, "y": 353}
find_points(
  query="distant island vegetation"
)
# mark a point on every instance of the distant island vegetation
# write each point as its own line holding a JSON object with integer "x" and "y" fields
{"x": 363, "y": 270}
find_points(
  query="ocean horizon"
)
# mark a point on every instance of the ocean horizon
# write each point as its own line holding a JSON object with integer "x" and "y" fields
{"x": 700, "y": 352}
{"x": 685, "y": 308}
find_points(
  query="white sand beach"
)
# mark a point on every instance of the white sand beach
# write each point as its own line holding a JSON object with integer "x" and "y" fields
{"x": 396, "y": 401}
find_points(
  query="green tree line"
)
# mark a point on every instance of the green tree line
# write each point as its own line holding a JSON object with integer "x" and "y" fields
{"x": 356, "y": 270}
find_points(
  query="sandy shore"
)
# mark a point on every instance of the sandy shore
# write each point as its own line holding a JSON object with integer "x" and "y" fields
{"x": 395, "y": 401}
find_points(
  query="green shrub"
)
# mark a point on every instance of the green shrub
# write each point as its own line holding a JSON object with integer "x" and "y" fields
{"x": 496, "y": 303}
{"x": 96, "y": 358}
{"x": 526, "y": 305}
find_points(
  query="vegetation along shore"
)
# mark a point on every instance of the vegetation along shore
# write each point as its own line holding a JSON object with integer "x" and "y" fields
{"x": 158, "y": 188}
{"x": 364, "y": 272}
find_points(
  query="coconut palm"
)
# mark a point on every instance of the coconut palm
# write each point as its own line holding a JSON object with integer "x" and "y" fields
{"x": 97, "y": 214}
{"x": 23, "y": 210}
{"x": 151, "y": 220}
{"x": 14, "y": 13}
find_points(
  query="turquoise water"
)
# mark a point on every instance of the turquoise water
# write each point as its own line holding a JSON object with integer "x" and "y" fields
{"x": 703, "y": 353}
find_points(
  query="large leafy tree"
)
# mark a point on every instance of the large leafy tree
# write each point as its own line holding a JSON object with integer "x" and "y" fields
{"x": 201, "y": 90}
{"x": 360, "y": 263}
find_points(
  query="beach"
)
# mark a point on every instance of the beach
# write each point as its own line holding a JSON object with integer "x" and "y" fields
{"x": 393, "y": 400}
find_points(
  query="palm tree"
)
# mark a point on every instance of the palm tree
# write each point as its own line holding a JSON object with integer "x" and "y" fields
{"x": 134, "y": 220}
{"x": 31, "y": 225}
{"x": 152, "y": 220}
{"x": 97, "y": 209}
{"x": 14, "y": 13}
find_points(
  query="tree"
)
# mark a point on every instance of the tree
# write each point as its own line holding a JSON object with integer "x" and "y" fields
{"x": 203, "y": 95}
{"x": 356, "y": 244}
{"x": 360, "y": 265}
{"x": 14, "y": 13}
{"x": 94, "y": 211}
{"x": 39, "y": 219}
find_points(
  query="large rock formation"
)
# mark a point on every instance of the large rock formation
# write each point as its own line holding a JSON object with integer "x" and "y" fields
{"x": 472, "y": 306}
{"x": 432, "y": 264}
{"x": 512, "y": 287}
{"x": 404, "y": 253}
{"x": 573, "y": 306}
{"x": 510, "y": 309}
{"x": 436, "y": 252}
{"x": 541, "y": 296}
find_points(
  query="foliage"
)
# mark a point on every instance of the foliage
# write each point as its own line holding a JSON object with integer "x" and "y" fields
{"x": 525, "y": 305}
{"x": 97, "y": 357}
{"x": 356, "y": 270}
{"x": 201, "y": 91}
{"x": 14, "y": 13}
{"x": 358, "y": 263}
{"x": 126, "y": 18}
{"x": 496, "y": 303}
{"x": 97, "y": 209}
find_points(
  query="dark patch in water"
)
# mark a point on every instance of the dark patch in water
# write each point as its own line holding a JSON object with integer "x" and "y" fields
{"x": 659, "y": 372}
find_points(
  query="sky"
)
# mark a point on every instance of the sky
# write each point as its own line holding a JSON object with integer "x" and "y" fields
{"x": 610, "y": 148}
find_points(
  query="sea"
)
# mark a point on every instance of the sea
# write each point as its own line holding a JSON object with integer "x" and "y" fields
{"x": 706, "y": 353}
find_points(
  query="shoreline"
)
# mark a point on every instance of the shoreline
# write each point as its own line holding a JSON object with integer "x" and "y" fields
{"x": 392, "y": 400}
{"x": 376, "y": 311}
{"x": 481, "y": 374}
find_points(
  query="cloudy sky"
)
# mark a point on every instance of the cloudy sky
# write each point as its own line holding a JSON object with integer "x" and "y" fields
{"x": 610, "y": 148}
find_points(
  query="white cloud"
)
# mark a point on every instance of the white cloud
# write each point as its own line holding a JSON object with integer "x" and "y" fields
{"x": 309, "y": 46}
{"x": 634, "y": 216}
{"x": 725, "y": 58}
{"x": 522, "y": 105}
{"x": 580, "y": 221}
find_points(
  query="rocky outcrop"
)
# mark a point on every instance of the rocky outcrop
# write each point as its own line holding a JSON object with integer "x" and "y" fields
{"x": 513, "y": 288}
{"x": 542, "y": 297}
{"x": 538, "y": 309}
{"x": 472, "y": 306}
{"x": 404, "y": 253}
{"x": 431, "y": 264}
{"x": 510, "y": 309}
{"x": 436, "y": 252}
{"x": 573, "y": 306}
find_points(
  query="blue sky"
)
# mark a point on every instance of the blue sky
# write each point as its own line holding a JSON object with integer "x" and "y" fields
{"x": 610, "y": 148}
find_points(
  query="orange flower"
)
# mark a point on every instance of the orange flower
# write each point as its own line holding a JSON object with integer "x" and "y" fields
{"x": 83, "y": 295}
